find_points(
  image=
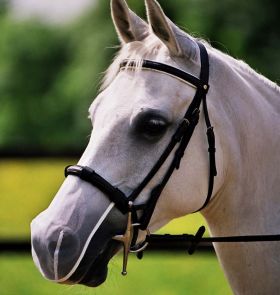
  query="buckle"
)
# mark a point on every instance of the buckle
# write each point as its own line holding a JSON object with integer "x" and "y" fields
{"x": 206, "y": 87}
{"x": 187, "y": 121}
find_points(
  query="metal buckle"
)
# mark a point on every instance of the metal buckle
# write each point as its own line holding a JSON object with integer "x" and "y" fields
{"x": 126, "y": 240}
{"x": 187, "y": 121}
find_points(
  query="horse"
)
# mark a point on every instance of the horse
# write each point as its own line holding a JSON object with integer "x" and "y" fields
{"x": 134, "y": 116}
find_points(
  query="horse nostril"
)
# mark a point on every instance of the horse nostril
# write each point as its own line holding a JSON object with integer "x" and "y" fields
{"x": 51, "y": 248}
{"x": 66, "y": 247}
{"x": 56, "y": 251}
{"x": 67, "y": 244}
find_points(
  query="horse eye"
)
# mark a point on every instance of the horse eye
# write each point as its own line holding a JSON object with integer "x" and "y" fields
{"x": 151, "y": 128}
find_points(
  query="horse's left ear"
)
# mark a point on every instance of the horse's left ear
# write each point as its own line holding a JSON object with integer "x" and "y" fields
{"x": 129, "y": 26}
{"x": 177, "y": 41}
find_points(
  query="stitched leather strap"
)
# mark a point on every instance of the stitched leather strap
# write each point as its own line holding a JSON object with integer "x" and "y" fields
{"x": 89, "y": 175}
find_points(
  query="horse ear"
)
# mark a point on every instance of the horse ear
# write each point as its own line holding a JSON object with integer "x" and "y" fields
{"x": 129, "y": 26}
{"x": 178, "y": 42}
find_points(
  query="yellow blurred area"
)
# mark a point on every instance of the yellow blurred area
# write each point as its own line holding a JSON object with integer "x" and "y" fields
{"x": 28, "y": 186}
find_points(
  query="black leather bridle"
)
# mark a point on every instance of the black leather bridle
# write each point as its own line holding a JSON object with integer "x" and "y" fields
{"x": 179, "y": 143}
{"x": 180, "y": 139}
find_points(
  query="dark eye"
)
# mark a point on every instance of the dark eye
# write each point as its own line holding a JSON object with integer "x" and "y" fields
{"x": 150, "y": 126}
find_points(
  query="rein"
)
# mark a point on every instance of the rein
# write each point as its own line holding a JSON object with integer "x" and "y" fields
{"x": 191, "y": 242}
{"x": 179, "y": 143}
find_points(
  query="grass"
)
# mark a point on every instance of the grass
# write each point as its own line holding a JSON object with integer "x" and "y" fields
{"x": 157, "y": 274}
{"x": 27, "y": 187}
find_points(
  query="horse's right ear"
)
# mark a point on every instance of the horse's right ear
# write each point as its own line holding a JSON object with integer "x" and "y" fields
{"x": 129, "y": 26}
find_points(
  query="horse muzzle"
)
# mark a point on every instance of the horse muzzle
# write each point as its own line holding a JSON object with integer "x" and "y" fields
{"x": 72, "y": 239}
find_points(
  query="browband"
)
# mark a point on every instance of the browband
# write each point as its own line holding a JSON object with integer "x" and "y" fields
{"x": 167, "y": 69}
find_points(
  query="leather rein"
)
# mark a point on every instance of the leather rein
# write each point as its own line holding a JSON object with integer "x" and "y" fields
{"x": 179, "y": 143}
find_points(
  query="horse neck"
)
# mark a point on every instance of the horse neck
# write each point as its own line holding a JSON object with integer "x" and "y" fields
{"x": 245, "y": 114}
{"x": 245, "y": 111}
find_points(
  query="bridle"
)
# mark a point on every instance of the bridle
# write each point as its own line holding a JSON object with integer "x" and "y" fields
{"x": 179, "y": 143}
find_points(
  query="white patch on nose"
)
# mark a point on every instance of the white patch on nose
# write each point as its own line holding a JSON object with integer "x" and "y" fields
{"x": 100, "y": 221}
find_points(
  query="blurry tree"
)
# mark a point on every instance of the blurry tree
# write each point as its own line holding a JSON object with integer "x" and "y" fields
{"x": 3, "y": 6}
{"x": 31, "y": 58}
{"x": 49, "y": 76}
{"x": 249, "y": 29}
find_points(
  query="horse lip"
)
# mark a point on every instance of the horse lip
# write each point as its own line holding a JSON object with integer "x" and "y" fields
{"x": 96, "y": 273}
{"x": 91, "y": 279}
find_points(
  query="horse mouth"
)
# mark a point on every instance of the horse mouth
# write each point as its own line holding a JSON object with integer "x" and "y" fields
{"x": 95, "y": 273}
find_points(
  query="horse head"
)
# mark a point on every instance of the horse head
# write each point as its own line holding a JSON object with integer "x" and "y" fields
{"x": 133, "y": 118}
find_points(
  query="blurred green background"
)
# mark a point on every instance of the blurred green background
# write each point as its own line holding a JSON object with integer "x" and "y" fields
{"x": 49, "y": 75}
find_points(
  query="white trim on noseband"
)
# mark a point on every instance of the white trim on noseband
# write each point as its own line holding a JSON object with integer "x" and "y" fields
{"x": 100, "y": 221}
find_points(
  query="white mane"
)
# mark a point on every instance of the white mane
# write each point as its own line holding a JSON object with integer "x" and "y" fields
{"x": 132, "y": 51}
{"x": 243, "y": 66}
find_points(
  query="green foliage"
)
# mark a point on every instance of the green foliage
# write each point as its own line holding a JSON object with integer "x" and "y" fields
{"x": 49, "y": 75}
{"x": 32, "y": 58}
{"x": 3, "y": 6}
